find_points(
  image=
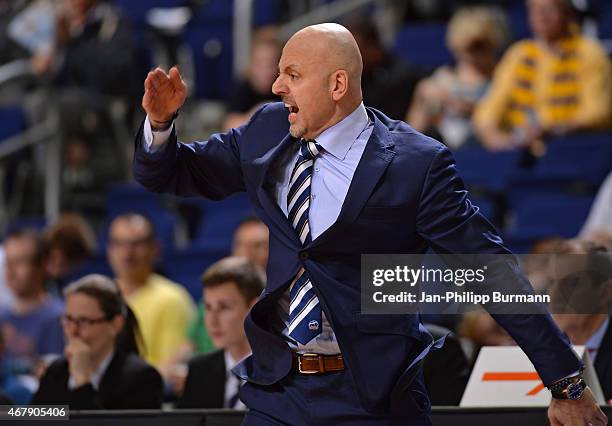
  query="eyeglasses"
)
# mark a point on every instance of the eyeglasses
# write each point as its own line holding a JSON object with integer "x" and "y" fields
{"x": 80, "y": 321}
{"x": 140, "y": 242}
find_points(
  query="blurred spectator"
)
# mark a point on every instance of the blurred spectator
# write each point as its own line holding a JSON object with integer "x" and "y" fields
{"x": 536, "y": 265}
{"x": 443, "y": 103}
{"x": 10, "y": 385}
{"x": 250, "y": 241}
{"x": 479, "y": 329}
{"x": 556, "y": 83}
{"x": 72, "y": 243}
{"x": 93, "y": 49}
{"x": 231, "y": 287}
{"x": 256, "y": 88}
{"x": 580, "y": 293}
{"x": 31, "y": 327}
{"x": 163, "y": 308}
{"x": 6, "y": 295}
{"x": 15, "y": 43}
{"x": 93, "y": 62}
{"x": 598, "y": 226}
{"x": 101, "y": 368}
{"x": 387, "y": 81}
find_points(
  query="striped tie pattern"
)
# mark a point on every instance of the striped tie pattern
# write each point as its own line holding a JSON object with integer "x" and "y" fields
{"x": 305, "y": 316}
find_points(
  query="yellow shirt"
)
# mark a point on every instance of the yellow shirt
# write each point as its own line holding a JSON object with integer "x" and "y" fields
{"x": 164, "y": 310}
{"x": 570, "y": 84}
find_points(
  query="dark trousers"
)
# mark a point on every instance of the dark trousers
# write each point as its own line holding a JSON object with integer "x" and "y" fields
{"x": 317, "y": 400}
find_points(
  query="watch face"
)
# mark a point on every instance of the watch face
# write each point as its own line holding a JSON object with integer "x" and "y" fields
{"x": 574, "y": 391}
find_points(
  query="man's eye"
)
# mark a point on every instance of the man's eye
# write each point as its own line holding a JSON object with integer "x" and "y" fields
{"x": 292, "y": 76}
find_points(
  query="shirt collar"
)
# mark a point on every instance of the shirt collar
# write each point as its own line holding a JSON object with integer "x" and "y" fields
{"x": 338, "y": 139}
{"x": 595, "y": 340}
{"x": 229, "y": 361}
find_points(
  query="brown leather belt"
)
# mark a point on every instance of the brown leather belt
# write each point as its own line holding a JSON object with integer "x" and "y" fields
{"x": 316, "y": 363}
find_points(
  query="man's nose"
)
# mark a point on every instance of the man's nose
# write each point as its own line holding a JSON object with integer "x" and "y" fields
{"x": 278, "y": 87}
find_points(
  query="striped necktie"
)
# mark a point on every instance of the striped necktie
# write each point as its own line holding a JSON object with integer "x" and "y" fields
{"x": 304, "y": 309}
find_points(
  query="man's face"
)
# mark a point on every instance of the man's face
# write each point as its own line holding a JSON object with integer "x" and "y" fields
{"x": 548, "y": 18}
{"x": 24, "y": 275}
{"x": 251, "y": 241}
{"x": 132, "y": 251}
{"x": 226, "y": 309}
{"x": 304, "y": 85}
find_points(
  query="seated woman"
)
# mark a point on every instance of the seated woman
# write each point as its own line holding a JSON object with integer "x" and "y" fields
{"x": 231, "y": 287}
{"x": 101, "y": 368}
{"x": 443, "y": 103}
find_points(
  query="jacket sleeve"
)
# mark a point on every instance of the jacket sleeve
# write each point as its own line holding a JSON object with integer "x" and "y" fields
{"x": 452, "y": 225}
{"x": 210, "y": 168}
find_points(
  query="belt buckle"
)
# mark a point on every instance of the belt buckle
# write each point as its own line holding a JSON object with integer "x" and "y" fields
{"x": 307, "y": 371}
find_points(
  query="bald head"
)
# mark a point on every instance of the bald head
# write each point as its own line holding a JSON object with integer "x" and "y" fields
{"x": 319, "y": 78}
{"x": 333, "y": 46}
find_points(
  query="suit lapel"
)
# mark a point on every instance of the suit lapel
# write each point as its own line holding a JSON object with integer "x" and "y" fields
{"x": 278, "y": 218}
{"x": 374, "y": 161}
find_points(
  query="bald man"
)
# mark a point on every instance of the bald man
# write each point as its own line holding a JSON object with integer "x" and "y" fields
{"x": 333, "y": 179}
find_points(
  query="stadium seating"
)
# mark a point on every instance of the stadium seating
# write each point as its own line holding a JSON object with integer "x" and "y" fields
{"x": 423, "y": 45}
{"x": 13, "y": 121}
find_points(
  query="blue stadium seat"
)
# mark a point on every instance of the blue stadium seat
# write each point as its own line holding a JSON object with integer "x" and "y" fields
{"x": 97, "y": 265}
{"x": 13, "y": 121}
{"x": 483, "y": 170}
{"x": 577, "y": 158}
{"x": 136, "y": 11}
{"x": 212, "y": 54}
{"x": 186, "y": 267}
{"x": 34, "y": 222}
{"x": 603, "y": 12}
{"x": 266, "y": 12}
{"x": 542, "y": 211}
{"x": 423, "y": 45}
{"x": 518, "y": 21}
{"x": 218, "y": 221}
{"x": 215, "y": 13}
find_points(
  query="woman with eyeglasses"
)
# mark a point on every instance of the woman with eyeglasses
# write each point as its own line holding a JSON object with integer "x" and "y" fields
{"x": 101, "y": 367}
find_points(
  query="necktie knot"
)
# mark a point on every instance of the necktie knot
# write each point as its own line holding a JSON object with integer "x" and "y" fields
{"x": 309, "y": 148}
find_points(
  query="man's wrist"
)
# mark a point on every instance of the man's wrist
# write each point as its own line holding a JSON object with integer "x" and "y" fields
{"x": 571, "y": 387}
{"x": 160, "y": 126}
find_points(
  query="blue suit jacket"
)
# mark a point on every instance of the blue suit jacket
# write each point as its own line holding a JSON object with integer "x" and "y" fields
{"x": 405, "y": 197}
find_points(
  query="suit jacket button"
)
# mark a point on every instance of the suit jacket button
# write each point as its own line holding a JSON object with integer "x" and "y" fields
{"x": 304, "y": 255}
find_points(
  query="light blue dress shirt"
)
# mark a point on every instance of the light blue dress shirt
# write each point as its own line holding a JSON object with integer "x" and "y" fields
{"x": 343, "y": 145}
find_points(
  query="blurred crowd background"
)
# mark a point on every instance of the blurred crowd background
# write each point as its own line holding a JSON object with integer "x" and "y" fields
{"x": 520, "y": 91}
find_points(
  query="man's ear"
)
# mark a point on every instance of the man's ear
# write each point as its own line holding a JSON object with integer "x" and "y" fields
{"x": 339, "y": 83}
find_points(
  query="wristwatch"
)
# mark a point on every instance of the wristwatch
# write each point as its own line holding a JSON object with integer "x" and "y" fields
{"x": 568, "y": 388}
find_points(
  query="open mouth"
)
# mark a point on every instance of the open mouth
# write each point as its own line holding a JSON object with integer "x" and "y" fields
{"x": 292, "y": 108}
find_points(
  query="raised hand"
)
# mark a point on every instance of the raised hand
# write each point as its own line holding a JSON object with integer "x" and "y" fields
{"x": 164, "y": 95}
{"x": 80, "y": 363}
